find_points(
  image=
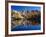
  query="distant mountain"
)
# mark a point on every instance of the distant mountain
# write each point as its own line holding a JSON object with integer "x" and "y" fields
{"x": 24, "y": 14}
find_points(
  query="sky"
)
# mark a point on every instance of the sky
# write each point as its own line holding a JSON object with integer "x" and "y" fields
{"x": 21, "y": 8}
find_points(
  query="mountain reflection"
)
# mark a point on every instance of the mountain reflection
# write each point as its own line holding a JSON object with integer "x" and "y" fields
{"x": 19, "y": 22}
{"x": 23, "y": 22}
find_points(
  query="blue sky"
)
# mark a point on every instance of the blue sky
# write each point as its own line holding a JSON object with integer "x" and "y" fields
{"x": 29, "y": 8}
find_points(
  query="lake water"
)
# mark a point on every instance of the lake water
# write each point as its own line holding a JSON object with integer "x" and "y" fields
{"x": 23, "y": 25}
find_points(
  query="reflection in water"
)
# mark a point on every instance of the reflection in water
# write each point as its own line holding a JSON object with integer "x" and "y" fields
{"x": 20, "y": 22}
{"x": 16, "y": 23}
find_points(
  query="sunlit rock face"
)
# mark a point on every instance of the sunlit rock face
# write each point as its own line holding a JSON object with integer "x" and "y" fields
{"x": 17, "y": 15}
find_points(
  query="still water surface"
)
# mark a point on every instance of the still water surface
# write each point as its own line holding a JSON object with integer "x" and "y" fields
{"x": 21, "y": 25}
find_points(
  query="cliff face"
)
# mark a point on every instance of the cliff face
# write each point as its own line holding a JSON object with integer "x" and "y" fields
{"x": 18, "y": 15}
{"x": 25, "y": 15}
